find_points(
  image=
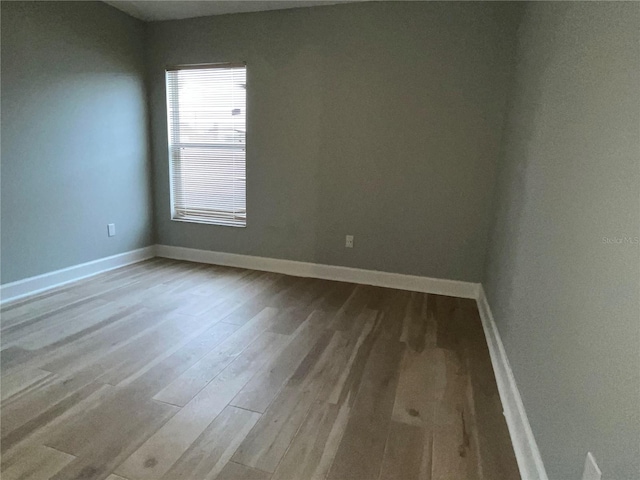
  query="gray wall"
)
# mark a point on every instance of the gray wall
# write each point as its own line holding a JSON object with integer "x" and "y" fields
{"x": 566, "y": 302}
{"x": 74, "y": 136}
{"x": 380, "y": 120}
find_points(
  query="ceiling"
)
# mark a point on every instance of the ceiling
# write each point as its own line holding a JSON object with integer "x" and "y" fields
{"x": 172, "y": 10}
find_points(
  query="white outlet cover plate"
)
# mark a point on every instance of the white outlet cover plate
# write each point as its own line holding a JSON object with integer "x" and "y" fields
{"x": 111, "y": 229}
{"x": 349, "y": 241}
{"x": 591, "y": 470}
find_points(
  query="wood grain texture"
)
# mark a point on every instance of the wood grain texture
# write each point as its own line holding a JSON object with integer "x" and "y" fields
{"x": 407, "y": 453}
{"x": 38, "y": 463}
{"x": 169, "y": 370}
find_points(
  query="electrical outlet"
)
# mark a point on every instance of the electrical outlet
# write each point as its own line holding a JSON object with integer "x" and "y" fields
{"x": 591, "y": 470}
{"x": 349, "y": 241}
{"x": 111, "y": 229}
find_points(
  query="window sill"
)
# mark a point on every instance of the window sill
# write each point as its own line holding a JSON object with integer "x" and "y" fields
{"x": 204, "y": 222}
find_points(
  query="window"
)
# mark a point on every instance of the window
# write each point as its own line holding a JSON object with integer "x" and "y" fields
{"x": 207, "y": 143}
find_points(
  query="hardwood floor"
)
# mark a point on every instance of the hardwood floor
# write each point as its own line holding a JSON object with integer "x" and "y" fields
{"x": 175, "y": 370}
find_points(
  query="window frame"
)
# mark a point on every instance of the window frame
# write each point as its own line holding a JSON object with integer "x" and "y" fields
{"x": 172, "y": 210}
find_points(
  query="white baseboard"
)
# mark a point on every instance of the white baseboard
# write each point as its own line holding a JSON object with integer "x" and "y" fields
{"x": 32, "y": 285}
{"x": 414, "y": 283}
{"x": 524, "y": 444}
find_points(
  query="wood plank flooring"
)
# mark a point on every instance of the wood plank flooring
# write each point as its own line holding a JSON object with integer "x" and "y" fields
{"x": 169, "y": 370}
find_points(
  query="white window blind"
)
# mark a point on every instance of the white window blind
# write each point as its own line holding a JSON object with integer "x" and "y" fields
{"x": 207, "y": 143}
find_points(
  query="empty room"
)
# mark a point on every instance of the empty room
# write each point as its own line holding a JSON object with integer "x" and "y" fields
{"x": 320, "y": 240}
